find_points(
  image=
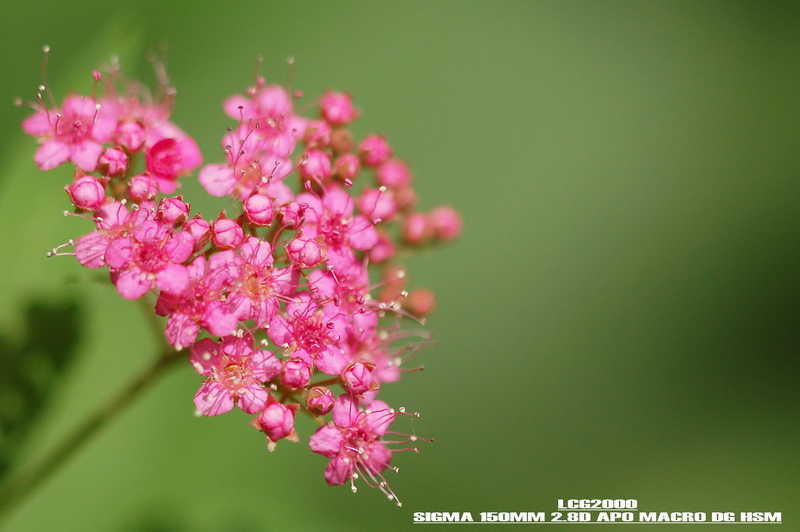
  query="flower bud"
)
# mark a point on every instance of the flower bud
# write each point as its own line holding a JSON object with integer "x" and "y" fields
{"x": 296, "y": 374}
{"x": 393, "y": 173}
{"x": 346, "y": 166}
{"x": 374, "y": 150}
{"x": 259, "y": 210}
{"x": 113, "y": 162}
{"x": 342, "y": 140}
{"x": 173, "y": 210}
{"x": 276, "y": 420}
{"x": 317, "y": 165}
{"x": 87, "y": 193}
{"x": 320, "y": 400}
{"x": 227, "y": 234}
{"x": 200, "y": 231}
{"x": 405, "y": 197}
{"x": 357, "y": 378}
{"x": 383, "y": 250}
{"x": 305, "y": 253}
{"x": 420, "y": 302}
{"x": 337, "y": 108}
{"x": 130, "y": 135}
{"x": 377, "y": 204}
{"x": 417, "y": 229}
{"x": 317, "y": 134}
{"x": 446, "y": 223}
{"x": 142, "y": 188}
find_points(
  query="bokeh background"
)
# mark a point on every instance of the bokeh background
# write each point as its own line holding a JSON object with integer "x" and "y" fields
{"x": 621, "y": 318}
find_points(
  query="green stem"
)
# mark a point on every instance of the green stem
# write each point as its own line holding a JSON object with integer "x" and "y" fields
{"x": 27, "y": 480}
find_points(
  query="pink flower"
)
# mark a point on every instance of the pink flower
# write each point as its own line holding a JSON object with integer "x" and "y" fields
{"x": 257, "y": 153}
{"x": 142, "y": 188}
{"x": 201, "y": 304}
{"x": 332, "y": 218}
{"x": 112, "y": 220}
{"x": 420, "y": 302}
{"x": 296, "y": 373}
{"x": 347, "y": 166}
{"x": 262, "y": 101}
{"x": 169, "y": 159}
{"x": 417, "y": 229}
{"x": 354, "y": 444}
{"x": 234, "y": 375}
{"x": 310, "y": 330}
{"x": 76, "y": 133}
{"x": 377, "y": 204}
{"x": 304, "y": 252}
{"x": 293, "y": 266}
{"x": 256, "y": 288}
{"x": 317, "y": 135}
{"x": 151, "y": 256}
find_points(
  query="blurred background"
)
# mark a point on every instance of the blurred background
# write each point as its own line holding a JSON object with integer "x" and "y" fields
{"x": 621, "y": 318}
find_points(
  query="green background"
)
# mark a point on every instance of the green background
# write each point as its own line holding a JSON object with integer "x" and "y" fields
{"x": 621, "y": 318}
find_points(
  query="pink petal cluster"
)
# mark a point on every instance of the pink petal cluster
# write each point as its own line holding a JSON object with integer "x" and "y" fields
{"x": 298, "y": 294}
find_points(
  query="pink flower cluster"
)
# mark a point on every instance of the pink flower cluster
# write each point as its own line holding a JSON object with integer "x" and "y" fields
{"x": 292, "y": 295}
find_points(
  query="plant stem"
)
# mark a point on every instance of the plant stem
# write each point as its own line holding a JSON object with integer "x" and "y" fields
{"x": 27, "y": 480}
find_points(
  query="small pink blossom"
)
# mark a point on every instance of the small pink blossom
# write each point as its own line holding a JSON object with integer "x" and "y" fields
{"x": 75, "y": 133}
{"x": 420, "y": 302}
{"x": 112, "y": 220}
{"x": 354, "y": 444}
{"x": 332, "y": 218}
{"x": 317, "y": 134}
{"x": 255, "y": 287}
{"x": 151, "y": 256}
{"x": 384, "y": 250}
{"x": 202, "y": 304}
{"x": 234, "y": 374}
{"x": 173, "y": 211}
{"x": 304, "y": 252}
{"x": 169, "y": 159}
{"x": 312, "y": 330}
